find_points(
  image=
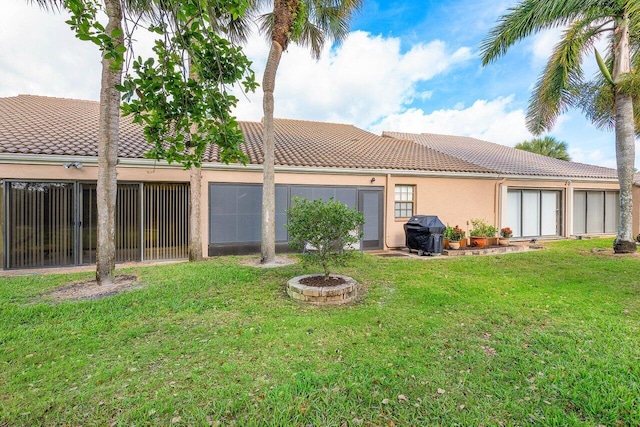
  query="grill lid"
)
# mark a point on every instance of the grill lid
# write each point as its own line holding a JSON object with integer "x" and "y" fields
{"x": 430, "y": 223}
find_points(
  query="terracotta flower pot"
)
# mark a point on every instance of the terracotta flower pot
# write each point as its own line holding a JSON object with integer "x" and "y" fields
{"x": 479, "y": 242}
{"x": 503, "y": 241}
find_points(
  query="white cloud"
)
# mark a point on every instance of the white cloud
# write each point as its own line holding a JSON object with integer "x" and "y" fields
{"x": 359, "y": 82}
{"x": 488, "y": 120}
{"x": 542, "y": 45}
{"x": 39, "y": 54}
{"x": 593, "y": 157}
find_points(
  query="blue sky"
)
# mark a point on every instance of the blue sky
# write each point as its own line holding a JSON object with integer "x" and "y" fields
{"x": 408, "y": 65}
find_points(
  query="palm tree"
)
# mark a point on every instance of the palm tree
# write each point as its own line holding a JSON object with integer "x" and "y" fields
{"x": 108, "y": 129}
{"x": 562, "y": 85}
{"x": 306, "y": 22}
{"x": 547, "y": 146}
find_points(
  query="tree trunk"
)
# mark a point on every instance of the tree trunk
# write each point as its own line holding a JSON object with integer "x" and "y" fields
{"x": 109, "y": 125}
{"x": 195, "y": 193}
{"x": 625, "y": 140}
{"x": 268, "y": 244}
{"x": 195, "y": 234}
{"x": 283, "y": 14}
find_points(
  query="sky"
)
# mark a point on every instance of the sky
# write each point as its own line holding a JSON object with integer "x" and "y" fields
{"x": 406, "y": 66}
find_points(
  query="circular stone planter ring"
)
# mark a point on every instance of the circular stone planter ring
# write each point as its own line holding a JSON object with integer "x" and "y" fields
{"x": 322, "y": 295}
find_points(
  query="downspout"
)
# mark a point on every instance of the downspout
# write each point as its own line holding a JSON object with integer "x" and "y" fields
{"x": 388, "y": 216}
{"x": 567, "y": 212}
{"x": 497, "y": 202}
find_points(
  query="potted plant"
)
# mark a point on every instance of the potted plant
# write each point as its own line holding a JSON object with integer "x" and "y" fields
{"x": 505, "y": 234}
{"x": 480, "y": 232}
{"x": 454, "y": 235}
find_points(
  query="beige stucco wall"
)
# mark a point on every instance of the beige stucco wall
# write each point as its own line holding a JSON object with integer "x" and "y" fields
{"x": 89, "y": 172}
{"x": 454, "y": 199}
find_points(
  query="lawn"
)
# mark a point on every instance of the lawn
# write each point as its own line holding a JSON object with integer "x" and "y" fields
{"x": 539, "y": 338}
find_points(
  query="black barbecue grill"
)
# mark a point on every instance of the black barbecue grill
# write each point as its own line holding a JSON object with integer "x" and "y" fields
{"x": 424, "y": 234}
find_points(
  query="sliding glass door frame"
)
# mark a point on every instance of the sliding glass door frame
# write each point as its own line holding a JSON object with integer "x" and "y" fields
{"x": 523, "y": 210}
{"x": 134, "y": 233}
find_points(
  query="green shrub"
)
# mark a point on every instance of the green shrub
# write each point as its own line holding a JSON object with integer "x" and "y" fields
{"x": 481, "y": 228}
{"x": 330, "y": 228}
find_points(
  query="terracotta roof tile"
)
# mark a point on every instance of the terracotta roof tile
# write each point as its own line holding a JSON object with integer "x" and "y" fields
{"x": 54, "y": 126}
{"x": 316, "y": 144}
{"x": 505, "y": 160}
{"x": 32, "y": 124}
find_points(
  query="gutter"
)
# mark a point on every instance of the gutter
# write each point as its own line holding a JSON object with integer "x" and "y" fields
{"x": 37, "y": 159}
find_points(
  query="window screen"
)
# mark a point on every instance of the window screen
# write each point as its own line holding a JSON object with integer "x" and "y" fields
{"x": 595, "y": 212}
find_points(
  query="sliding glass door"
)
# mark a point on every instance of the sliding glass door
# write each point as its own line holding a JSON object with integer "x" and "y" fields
{"x": 534, "y": 213}
{"x": 595, "y": 212}
{"x": 40, "y": 224}
{"x": 51, "y": 224}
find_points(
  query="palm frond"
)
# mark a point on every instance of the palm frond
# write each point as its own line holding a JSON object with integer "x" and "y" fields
{"x": 237, "y": 30}
{"x": 53, "y": 5}
{"x": 531, "y": 16}
{"x": 557, "y": 85}
{"x": 596, "y": 100}
{"x": 312, "y": 37}
{"x": 327, "y": 20}
{"x": 332, "y": 16}
{"x": 265, "y": 23}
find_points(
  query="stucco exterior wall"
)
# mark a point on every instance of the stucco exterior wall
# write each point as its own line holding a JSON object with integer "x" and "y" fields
{"x": 455, "y": 199}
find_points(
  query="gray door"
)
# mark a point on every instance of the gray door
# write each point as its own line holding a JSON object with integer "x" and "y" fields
{"x": 370, "y": 204}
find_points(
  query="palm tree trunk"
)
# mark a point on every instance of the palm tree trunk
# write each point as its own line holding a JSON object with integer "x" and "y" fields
{"x": 625, "y": 140}
{"x": 268, "y": 245}
{"x": 108, "y": 153}
{"x": 284, "y": 12}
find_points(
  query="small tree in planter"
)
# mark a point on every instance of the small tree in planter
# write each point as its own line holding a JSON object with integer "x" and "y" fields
{"x": 330, "y": 228}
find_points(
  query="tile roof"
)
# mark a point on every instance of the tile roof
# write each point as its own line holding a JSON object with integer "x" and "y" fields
{"x": 41, "y": 125}
{"x": 32, "y": 124}
{"x": 315, "y": 144}
{"x": 505, "y": 160}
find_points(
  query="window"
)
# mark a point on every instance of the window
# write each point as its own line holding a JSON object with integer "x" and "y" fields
{"x": 595, "y": 212}
{"x": 404, "y": 200}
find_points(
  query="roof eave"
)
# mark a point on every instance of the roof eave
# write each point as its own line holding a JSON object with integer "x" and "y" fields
{"x": 38, "y": 159}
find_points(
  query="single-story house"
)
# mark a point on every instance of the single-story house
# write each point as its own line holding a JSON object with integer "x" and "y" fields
{"x": 48, "y": 171}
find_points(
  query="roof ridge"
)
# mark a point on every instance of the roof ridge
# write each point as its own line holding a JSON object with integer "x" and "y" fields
{"x": 28, "y": 95}
{"x": 313, "y": 121}
{"x": 436, "y": 149}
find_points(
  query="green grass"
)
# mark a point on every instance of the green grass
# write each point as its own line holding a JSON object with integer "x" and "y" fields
{"x": 539, "y": 338}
